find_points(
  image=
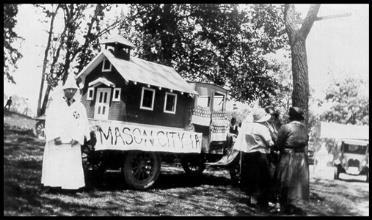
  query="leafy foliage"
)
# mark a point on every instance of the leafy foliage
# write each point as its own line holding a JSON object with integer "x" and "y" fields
{"x": 345, "y": 103}
{"x": 78, "y": 42}
{"x": 217, "y": 43}
{"x": 11, "y": 54}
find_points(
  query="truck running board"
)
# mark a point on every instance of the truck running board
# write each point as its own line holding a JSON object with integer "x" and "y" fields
{"x": 226, "y": 159}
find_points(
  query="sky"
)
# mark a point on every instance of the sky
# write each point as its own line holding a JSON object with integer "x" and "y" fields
{"x": 336, "y": 48}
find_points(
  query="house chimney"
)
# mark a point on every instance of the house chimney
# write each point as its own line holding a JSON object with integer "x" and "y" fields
{"x": 119, "y": 47}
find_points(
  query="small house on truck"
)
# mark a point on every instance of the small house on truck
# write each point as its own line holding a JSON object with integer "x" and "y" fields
{"x": 140, "y": 112}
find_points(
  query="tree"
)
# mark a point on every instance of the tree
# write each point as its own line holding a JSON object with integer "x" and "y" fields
{"x": 345, "y": 102}
{"x": 52, "y": 14}
{"x": 71, "y": 53}
{"x": 216, "y": 43}
{"x": 297, "y": 40}
{"x": 11, "y": 54}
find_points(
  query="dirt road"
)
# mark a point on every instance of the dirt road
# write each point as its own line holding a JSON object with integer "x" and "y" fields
{"x": 175, "y": 194}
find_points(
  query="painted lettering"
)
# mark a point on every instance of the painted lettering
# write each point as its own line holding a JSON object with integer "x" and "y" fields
{"x": 128, "y": 134}
{"x": 139, "y": 135}
{"x": 164, "y": 143}
{"x": 120, "y": 136}
{"x": 109, "y": 134}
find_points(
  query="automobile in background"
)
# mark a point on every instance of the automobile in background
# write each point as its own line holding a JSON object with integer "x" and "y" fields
{"x": 353, "y": 158}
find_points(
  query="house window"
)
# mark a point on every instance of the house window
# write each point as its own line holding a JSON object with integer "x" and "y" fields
{"x": 90, "y": 94}
{"x": 147, "y": 98}
{"x": 106, "y": 66}
{"x": 218, "y": 101}
{"x": 204, "y": 101}
{"x": 170, "y": 103}
{"x": 116, "y": 96}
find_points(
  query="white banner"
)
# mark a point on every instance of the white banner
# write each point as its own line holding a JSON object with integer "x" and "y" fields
{"x": 117, "y": 135}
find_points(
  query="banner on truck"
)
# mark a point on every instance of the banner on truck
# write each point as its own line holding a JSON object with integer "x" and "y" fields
{"x": 116, "y": 135}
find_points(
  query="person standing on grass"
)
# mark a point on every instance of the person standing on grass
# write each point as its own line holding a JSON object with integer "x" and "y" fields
{"x": 254, "y": 141}
{"x": 66, "y": 128}
{"x": 293, "y": 169}
{"x": 274, "y": 124}
{"x": 8, "y": 103}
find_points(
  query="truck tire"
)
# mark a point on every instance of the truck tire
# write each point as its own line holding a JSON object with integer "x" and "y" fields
{"x": 193, "y": 165}
{"x": 141, "y": 169}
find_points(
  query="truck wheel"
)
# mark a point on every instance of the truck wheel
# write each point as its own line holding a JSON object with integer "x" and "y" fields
{"x": 336, "y": 174}
{"x": 193, "y": 165}
{"x": 141, "y": 169}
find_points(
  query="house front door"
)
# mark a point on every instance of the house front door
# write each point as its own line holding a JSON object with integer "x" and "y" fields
{"x": 102, "y": 106}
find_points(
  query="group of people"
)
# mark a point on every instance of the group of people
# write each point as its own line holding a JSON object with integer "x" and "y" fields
{"x": 274, "y": 165}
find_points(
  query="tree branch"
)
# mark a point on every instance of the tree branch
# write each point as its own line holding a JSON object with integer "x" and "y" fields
{"x": 332, "y": 16}
{"x": 289, "y": 20}
{"x": 309, "y": 20}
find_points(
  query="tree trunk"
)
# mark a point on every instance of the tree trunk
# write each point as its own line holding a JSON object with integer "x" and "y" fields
{"x": 297, "y": 40}
{"x": 46, "y": 60}
{"x": 300, "y": 94}
{"x": 45, "y": 101}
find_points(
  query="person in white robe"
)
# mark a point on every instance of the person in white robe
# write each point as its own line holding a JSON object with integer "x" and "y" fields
{"x": 66, "y": 126}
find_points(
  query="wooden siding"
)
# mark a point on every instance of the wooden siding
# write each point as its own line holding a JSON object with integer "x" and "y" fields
{"x": 128, "y": 109}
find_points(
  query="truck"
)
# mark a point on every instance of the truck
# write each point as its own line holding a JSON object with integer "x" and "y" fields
{"x": 142, "y": 113}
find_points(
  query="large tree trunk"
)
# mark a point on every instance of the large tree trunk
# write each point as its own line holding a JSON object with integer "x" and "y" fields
{"x": 300, "y": 94}
{"x": 297, "y": 40}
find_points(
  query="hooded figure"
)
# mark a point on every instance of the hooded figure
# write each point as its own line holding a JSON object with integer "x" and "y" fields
{"x": 66, "y": 127}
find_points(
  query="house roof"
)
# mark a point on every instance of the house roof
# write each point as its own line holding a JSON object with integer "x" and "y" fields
{"x": 118, "y": 39}
{"x": 142, "y": 71}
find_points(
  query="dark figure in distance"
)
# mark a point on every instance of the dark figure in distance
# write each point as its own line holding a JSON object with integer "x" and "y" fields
{"x": 8, "y": 103}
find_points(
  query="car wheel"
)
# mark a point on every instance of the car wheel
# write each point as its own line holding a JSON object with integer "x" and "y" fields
{"x": 193, "y": 165}
{"x": 141, "y": 169}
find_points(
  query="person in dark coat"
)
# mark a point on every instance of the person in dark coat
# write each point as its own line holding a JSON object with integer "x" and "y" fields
{"x": 293, "y": 169}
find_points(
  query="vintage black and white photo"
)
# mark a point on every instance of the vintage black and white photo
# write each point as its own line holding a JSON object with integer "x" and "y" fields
{"x": 186, "y": 109}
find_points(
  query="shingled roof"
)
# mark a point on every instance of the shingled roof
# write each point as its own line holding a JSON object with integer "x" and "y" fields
{"x": 142, "y": 71}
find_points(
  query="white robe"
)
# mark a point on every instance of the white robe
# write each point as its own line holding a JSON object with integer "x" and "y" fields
{"x": 62, "y": 164}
